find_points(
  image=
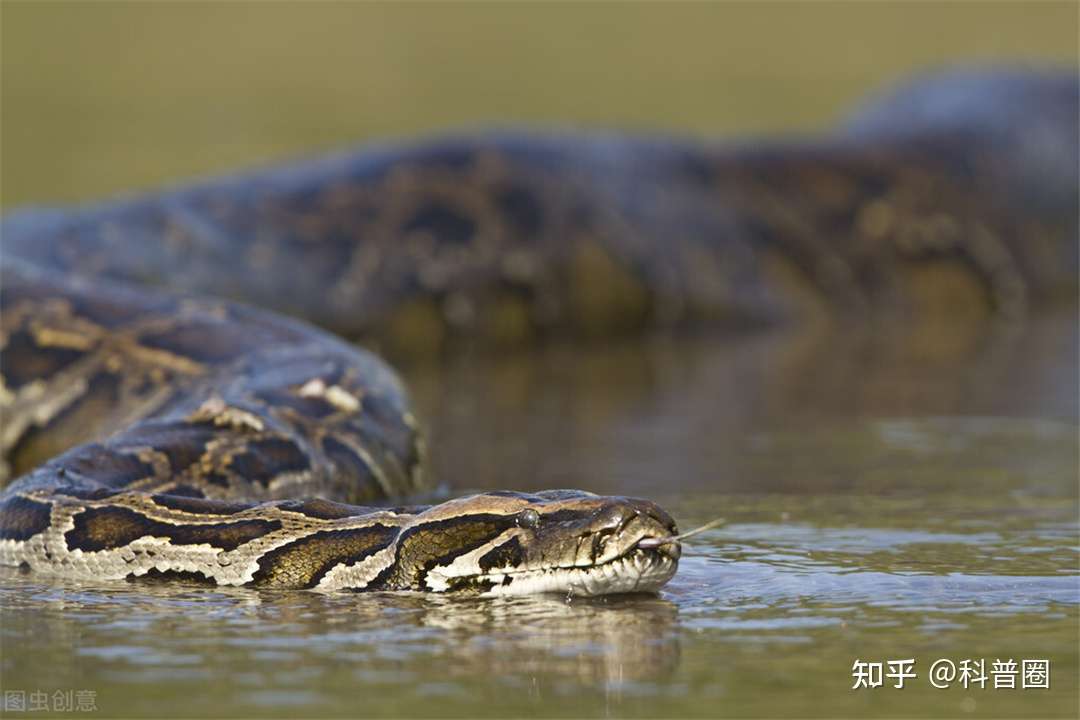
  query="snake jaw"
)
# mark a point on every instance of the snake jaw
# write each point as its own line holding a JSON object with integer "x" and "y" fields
{"x": 584, "y": 545}
{"x": 639, "y": 571}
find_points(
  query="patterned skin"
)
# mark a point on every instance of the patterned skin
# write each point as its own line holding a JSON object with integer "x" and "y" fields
{"x": 956, "y": 195}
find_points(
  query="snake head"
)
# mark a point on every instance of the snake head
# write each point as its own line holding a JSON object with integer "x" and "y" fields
{"x": 555, "y": 541}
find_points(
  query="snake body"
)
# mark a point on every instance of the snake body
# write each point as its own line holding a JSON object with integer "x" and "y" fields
{"x": 155, "y": 431}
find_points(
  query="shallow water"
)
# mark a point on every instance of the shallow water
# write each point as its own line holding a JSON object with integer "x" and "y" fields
{"x": 886, "y": 498}
{"x": 879, "y": 506}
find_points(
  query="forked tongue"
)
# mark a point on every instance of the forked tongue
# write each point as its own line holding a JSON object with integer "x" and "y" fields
{"x": 649, "y": 542}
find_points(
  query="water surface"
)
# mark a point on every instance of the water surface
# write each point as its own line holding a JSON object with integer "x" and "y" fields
{"x": 889, "y": 497}
{"x": 878, "y": 508}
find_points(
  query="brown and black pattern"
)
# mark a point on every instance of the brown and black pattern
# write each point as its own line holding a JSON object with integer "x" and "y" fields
{"x": 304, "y": 562}
{"x": 508, "y": 554}
{"x": 321, "y": 509}
{"x": 167, "y": 485}
{"x": 21, "y": 518}
{"x": 428, "y": 545}
{"x": 165, "y": 432}
{"x": 198, "y": 505}
{"x": 109, "y": 528}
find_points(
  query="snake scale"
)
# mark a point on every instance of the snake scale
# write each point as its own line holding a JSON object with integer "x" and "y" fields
{"x": 159, "y": 424}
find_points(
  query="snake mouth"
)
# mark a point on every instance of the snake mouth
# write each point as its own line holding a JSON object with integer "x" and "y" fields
{"x": 638, "y": 570}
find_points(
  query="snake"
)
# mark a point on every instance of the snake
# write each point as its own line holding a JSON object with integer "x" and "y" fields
{"x": 193, "y": 380}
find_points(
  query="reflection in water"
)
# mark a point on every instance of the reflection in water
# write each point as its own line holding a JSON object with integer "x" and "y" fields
{"x": 858, "y": 527}
{"x": 590, "y": 640}
{"x": 627, "y": 418}
{"x": 145, "y": 633}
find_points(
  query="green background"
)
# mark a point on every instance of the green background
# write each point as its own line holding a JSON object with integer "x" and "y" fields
{"x": 103, "y": 97}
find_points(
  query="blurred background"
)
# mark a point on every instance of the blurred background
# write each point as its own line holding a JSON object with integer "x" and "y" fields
{"x": 883, "y": 502}
{"x": 105, "y": 97}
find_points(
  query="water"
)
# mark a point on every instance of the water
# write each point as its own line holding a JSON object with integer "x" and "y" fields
{"x": 882, "y": 503}
{"x": 886, "y": 497}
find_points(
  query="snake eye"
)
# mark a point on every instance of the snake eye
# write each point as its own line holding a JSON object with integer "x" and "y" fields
{"x": 528, "y": 518}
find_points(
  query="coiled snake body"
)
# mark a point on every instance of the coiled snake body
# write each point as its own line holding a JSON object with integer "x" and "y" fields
{"x": 157, "y": 432}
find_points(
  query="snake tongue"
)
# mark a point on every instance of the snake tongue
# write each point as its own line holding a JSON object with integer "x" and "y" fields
{"x": 669, "y": 546}
{"x": 651, "y": 543}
